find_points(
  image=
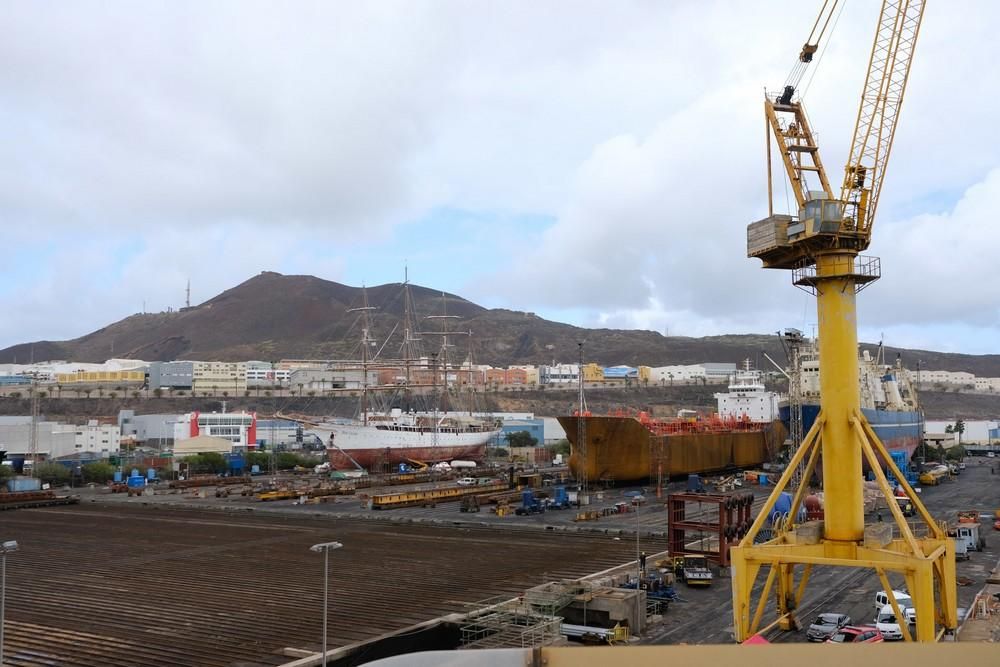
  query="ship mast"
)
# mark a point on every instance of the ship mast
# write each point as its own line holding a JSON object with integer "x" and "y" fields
{"x": 445, "y": 344}
{"x": 409, "y": 335}
{"x": 366, "y": 342}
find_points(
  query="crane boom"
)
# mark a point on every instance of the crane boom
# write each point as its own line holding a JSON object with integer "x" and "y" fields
{"x": 820, "y": 243}
{"x": 882, "y": 96}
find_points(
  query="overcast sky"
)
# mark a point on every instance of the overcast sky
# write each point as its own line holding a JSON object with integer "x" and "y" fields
{"x": 594, "y": 162}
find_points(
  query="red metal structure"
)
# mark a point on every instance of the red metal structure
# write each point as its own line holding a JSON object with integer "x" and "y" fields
{"x": 719, "y": 522}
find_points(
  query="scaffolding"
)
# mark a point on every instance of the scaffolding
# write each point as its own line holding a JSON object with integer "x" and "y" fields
{"x": 513, "y": 624}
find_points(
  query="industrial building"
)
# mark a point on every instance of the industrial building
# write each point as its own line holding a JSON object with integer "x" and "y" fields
{"x": 52, "y": 439}
{"x": 103, "y": 439}
{"x": 240, "y": 428}
{"x": 171, "y": 375}
{"x": 314, "y": 379}
{"x": 153, "y": 430}
{"x": 559, "y": 374}
{"x": 219, "y": 377}
{"x": 116, "y": 378}
{"x": 264, "y": 374}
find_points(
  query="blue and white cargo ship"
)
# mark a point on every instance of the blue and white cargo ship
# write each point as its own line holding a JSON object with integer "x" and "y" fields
{"x": 888, "y": 399}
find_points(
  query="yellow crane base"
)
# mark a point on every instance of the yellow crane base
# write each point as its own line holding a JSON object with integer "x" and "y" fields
{"x": 927, "y": 564}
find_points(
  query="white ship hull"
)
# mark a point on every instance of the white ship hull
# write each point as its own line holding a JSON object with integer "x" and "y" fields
{"x": 357, "y": 436}
{"x": 353, "y": 445}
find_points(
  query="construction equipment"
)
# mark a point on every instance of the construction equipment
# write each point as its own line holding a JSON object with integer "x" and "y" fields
{"x": 693, "y": 570}
{"x": 530, "y": 504}
{"x": 560, "y": 499}
{"x": 968, "y": 535}
{"x": 820, "y": 243}
{"x": 469, "y": 504}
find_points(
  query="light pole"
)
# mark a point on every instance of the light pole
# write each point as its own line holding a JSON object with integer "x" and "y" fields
{"x": 8, "y": 547}
{"x": 639, "y": 568}
{"x": 326, "y": 548}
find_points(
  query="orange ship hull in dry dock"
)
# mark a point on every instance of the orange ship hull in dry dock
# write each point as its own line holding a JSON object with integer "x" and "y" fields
{"x": 632, "y": 447}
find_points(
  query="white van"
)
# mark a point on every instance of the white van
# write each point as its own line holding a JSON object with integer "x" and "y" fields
{"x": 902, "y": 599}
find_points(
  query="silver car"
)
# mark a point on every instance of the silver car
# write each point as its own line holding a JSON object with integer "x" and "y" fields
{"x": 825, "y": 626}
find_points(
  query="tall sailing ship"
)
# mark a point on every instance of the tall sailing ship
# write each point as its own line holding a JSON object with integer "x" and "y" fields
{"x": 394, "y": 435}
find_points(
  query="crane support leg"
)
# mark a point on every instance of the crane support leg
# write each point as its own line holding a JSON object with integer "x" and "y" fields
{"x": 842, "y": 438}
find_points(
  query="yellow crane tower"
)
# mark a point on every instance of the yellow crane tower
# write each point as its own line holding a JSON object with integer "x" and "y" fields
{"x": 822, "y": 246}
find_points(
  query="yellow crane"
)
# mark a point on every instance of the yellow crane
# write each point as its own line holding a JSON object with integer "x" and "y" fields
{"x": 821, "y": 245}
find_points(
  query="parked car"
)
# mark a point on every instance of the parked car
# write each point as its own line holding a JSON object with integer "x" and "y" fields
{"x": 856, "y": 634}
{"x": 887, "y": 624}
{"x": 825, "y": 625}
{"x": 466, "y": 481}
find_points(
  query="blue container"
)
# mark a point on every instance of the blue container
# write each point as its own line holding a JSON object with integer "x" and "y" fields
{"x": 762, "y": 478}
{"x": 118, "y": 476}
{"x": 136, "y": 482}
{"x": 151, "y": 474}
{"x": 20, "y": 484}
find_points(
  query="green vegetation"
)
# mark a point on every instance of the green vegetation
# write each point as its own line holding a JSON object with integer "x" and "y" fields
{"x": 6, "y": 472}
{"x": 560, "y": 447}
{"x": 282, "y": 460}
{"x": 98, "y": 473}
{"x": 956, "y": 453}
{"x": 497, "y": 453}
{"x": 520, "y": 439}
{"x": 52, "y": 473}
{"x": 207, "y": 463}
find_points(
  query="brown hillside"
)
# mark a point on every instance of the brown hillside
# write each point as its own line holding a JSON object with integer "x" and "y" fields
{"x": 273, "y": 316}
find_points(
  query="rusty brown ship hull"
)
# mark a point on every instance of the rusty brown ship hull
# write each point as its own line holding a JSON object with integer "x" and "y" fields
{"x": 622, "y": 449}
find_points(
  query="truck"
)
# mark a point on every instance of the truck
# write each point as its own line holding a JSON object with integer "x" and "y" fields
{"x": 530, "y": 504}
{"x": 693, "y": 570}
{"x": 967, "y": 535}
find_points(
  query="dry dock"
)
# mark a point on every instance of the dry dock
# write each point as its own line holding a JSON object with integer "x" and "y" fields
{"x": 124, "y": 585}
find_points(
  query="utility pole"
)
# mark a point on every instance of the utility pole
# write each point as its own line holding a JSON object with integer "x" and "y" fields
{"x": 33, "y": 432}
{"x": 187, "y": 295}
{"x": 583, "y": 496}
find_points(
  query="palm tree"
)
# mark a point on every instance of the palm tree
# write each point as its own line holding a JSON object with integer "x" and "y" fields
{"x": 87, "y": 392}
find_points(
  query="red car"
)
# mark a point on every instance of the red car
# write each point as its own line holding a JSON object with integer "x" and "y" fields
{"x": 856, "y": 634}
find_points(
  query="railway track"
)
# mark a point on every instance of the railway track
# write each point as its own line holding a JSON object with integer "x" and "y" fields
{"x": 101, "y": 585}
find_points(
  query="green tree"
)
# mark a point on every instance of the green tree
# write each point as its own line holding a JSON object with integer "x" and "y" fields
{"x": 959, "y": 428}
{"x": 206, "y": 463}
{"x": 956, "y": 453}
{"x": 52, "y": 473}
{"x": 560, "y": 447}
{"x": 98, "y": 473}
{"x": 520, "y": 439}
{"x": 158, "y": 392}
{"x": 6, "y": 472}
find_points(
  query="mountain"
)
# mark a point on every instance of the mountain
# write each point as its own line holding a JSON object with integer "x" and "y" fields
{"x": 273, "y": 316}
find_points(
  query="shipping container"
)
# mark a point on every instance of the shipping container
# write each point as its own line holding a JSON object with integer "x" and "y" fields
{"x": 20, "y": 484}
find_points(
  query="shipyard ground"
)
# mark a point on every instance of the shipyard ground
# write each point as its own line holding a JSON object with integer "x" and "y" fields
{"x": 705, "y": 617}
{"x": 102, "y": 584}
{"x": 164, "y": 580}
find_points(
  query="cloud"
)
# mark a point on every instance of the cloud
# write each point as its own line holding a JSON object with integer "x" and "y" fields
{"x": 612, "y": 155}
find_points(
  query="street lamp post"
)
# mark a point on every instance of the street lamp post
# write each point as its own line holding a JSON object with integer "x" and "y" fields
{"x": 8, "y": 547}
{"x": 326, "y": 548}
